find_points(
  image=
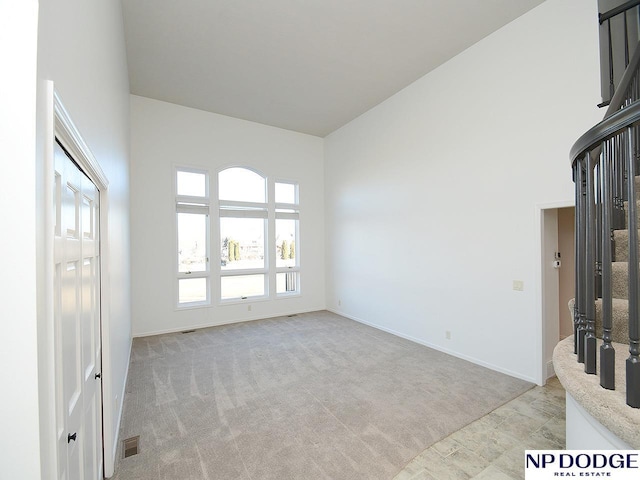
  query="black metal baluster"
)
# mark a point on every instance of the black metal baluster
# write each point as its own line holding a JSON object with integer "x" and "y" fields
{"x": 607, "y": 352}
{"x": 633, "y": 362}
{"x": 598, "y": 228}
{"x": 621, "y": 147}
{"x": 590, "y": 290}
{"x": 612, "y": 86}
{"x": 582, "y": 265}
{"x": 577, "y": 180}
{"x": 626, "y": 40}
{"x": 618, "y": 214}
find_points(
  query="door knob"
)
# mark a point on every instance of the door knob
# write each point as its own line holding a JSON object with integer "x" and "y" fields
{"x": 71, "y": 437}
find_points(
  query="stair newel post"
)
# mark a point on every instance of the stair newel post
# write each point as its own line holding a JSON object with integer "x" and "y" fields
{"x": 590, "y": 346}
{"x": 607, "y": 352}
{"x": 633, "y": 362}
{"x": 581, "y": 266}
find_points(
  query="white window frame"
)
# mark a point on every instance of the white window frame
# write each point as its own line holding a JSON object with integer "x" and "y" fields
{"x": 195, "y": 205}
{"x": 240, "y": 209}
{"x": 293, "y": 214}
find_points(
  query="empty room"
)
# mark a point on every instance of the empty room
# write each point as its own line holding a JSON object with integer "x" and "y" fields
{"x": 296, "y": 239}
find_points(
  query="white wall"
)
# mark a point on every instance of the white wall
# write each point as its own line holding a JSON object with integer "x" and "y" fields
{"x": 81, "y": 49}
{"x": 165, "y": 135}
{"x": 20, "y": 440}
{"x": 431, "y": 196}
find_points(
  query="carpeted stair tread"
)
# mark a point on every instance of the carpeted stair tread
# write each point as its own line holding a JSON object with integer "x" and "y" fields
{"x": 621, "y": 245}
{"x": 620, "y": 279}
{"x": 626, "y": 203}
{"x": 620, "y": 331}
{"x": 626, "y": 212}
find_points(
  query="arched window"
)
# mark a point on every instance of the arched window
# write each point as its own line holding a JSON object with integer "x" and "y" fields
{"x": 259, "y": 247}
{"x": 242, "y": 185}
{"x": 258, "y": 226}
{"x": 242, "y": 196}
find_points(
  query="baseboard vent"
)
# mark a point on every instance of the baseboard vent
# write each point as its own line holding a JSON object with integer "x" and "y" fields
{"x": 188, "y": 331}
{"x": 130, "y": 446}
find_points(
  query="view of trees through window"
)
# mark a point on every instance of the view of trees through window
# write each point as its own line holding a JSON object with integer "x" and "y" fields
{"x": 258, "y": 240}
{"x": 242, "y": 243}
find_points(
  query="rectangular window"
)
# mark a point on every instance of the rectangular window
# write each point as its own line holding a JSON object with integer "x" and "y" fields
{"x": 286, "y": 193}
{"x": 244, "y": 265}
{"x": 242, "y": 286}
{"x": 191, "y": 184}
{"x": 192, "y": 242}
{"x": 192, "y": 234}
{"x": 256, "y": 247}
{"x": 286, "y": 282}
{"x": 286, "y": 238}
{"x": 193, "y": 290}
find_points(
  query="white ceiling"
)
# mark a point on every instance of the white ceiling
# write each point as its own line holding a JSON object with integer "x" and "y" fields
{"x": 304, "y": 65}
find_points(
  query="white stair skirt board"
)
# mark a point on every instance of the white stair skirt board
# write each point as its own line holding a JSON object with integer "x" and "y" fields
{"x": 586, "y": 433}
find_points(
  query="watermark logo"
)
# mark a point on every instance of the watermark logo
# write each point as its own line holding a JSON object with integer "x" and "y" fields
{"x": 609, "y": 464}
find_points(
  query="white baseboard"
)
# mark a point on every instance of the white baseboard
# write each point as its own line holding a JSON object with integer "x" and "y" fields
{"x": 116, "y": 436}
{"x": 438, "y": 347}
{"x": 223, "y": 322}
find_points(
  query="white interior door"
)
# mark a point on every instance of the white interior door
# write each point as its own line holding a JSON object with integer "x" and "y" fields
{"x": 77, "y": 322}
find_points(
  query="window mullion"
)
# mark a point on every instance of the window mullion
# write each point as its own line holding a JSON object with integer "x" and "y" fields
{"x": 271, "y": 236}
{"x": 248, "y": 271}
{"x": 193, "y": 274}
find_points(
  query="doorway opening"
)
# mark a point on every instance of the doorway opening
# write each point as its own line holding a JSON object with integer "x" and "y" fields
{"x": 558, "y": 279}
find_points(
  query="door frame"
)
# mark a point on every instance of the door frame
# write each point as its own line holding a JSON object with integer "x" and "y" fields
{"x": 545, "y": 293}
{"x": 59, "y": 125}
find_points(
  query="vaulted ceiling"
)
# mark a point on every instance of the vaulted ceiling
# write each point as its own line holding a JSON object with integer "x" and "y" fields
{"x": 305, "y": 65}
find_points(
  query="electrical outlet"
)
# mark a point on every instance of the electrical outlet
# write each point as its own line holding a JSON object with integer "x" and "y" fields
{"x": 518, "y": 285}
{"x": 447, "y": 335}
{"x": 249, "y": 307}
{"x": 339, "y": 303}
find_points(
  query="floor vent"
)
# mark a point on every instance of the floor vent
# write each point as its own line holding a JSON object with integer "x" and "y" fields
{"x": 188, "y": 331}
{"x": 130, "y": 446}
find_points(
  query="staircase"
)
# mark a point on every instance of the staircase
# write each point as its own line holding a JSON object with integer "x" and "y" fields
{"x": 599, "y": 365}
{"x": 606, "y": 169}
{"x": 619, "y": 282}
{"x": 607, "y": 303}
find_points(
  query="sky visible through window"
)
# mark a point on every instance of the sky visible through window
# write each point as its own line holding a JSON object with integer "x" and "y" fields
{"x": 192, "y": 184}
{"x": 240, "y": 184}
{"x": 243, "y": 245}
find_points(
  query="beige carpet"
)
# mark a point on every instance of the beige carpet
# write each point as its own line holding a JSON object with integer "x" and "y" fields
{"x": 313, "y": 396}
